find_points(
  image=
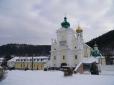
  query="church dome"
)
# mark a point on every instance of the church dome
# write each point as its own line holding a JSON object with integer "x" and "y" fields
{"x": 95, "y": 52}
{"x": 78, "y": 30}
{"x": 65, "y": 24}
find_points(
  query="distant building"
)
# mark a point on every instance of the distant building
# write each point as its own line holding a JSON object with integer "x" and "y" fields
{"x": 95, "y": 57}
{"x": 69, "y": 47}
{"x": 106, "y": 46}
{"x": 1, "y": 60}
{"x": 31, "y": 63}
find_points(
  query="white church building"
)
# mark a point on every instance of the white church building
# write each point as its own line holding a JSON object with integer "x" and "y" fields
{"x": 69, "y": 47}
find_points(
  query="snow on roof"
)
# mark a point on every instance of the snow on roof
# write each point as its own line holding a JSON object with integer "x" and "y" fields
{"x": 35, "y": 57}
{"x": 86, "y": 60}
{"x": 13, "y": 59}
{"x": 87, "y": 45}
{"x": 90, "y": 60}
{"x": 0, "y": 67}
{"x": 1, "y": 59}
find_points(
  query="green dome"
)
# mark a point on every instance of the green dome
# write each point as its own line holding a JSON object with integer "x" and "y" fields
{"x": 65, "y": 24}
{"x": 95, "y": 52}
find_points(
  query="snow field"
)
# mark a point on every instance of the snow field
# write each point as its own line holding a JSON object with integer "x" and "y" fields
{"x": 17, "y": 77}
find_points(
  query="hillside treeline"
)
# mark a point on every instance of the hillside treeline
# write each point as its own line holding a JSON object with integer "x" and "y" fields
{"x": 25, "y": 50}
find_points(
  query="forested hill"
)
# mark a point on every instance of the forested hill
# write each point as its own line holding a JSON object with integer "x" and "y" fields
{"x": 25, "y": 50}
{"x": 105, "y": 43}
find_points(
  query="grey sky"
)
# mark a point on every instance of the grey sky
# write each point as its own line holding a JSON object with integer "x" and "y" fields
{"x": 36, "y": 21}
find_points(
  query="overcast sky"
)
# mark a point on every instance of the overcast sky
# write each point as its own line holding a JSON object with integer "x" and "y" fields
{"x": 36, "y": 21}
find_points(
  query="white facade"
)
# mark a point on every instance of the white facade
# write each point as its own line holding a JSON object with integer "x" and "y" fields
{"x": 26, "y": 59}
{"x": 69, "y": 48}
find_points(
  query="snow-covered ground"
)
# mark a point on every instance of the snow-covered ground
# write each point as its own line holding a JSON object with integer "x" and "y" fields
{"x": 55, "y": 78}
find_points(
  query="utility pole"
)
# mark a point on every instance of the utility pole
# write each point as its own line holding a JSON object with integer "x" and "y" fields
{"x": 32, "y": 62}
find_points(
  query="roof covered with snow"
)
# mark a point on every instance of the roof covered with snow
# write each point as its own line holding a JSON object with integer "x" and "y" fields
{"x": 27, "y": 59}
{"x": 89, "y": 60}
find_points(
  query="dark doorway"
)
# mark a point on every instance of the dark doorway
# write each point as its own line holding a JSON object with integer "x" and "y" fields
{"x": 86, "y": 66}
{"x": 63, "y": 64}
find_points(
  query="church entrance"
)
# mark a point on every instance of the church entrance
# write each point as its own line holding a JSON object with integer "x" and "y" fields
{"x": 63, "y": 64}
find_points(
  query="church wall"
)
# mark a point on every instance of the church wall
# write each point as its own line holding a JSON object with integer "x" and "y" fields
{"x": 87, "y": 50}
{"x": 70, "y": 39}
{"x": 69, "y": 47}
